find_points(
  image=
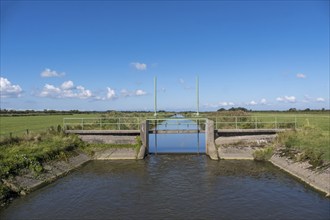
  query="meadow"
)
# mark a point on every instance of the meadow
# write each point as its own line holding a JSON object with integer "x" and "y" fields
{"x": 309, "y": 138}
{"x": 29, "y": 141}
{"x": 21, "y": 125}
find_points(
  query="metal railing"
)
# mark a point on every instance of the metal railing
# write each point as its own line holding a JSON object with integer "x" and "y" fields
{"x": 220, "y": 122}
{"x": 123, "y": 123}
{"x": 177, "y": 123}
{"x": 255, "y": 122}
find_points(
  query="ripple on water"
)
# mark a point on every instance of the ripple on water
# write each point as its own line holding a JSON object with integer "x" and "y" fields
{"x": 174, "y": 187}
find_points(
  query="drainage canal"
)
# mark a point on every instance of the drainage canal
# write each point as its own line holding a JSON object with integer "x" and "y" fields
{"x": 172, "y": 187}
{"x": 177, "y": 135}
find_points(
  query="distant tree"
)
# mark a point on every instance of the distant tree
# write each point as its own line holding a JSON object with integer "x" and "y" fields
{"x": 238, "y": 109}
{"x": 307, "y": 110}
{"x": 292, "y": 110}
{"x": 221, "y": 109}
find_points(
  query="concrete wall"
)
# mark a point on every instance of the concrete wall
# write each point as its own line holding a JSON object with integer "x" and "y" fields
{"x": 108, "y": 139}
{"x": 144, "y": 134}
{"x": 211, "y": 150}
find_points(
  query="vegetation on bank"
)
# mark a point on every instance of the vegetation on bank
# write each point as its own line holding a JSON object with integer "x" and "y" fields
{"x": 91, "y": 148}
{"x": 310, "y": 144}
{"x": 30, "y": 151}
{"x": 263, "y": 154}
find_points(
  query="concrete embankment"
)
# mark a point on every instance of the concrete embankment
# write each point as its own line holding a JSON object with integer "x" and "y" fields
{"x": 242, "y": 147}
{"x": 319, "y": 179}
{"x": 28, "y": 181}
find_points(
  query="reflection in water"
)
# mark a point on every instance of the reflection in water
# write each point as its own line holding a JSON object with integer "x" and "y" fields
{"x": 173, "y": 187}
{"x": 177, "y": 143}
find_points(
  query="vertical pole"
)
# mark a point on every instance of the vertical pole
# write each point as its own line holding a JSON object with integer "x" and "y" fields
{"x": 275, "y": 122}
{"x": 295, "y": 122}
{"x": 155, "y": 97}
{"x": 197, "y": 95}
{"x": 198, "y": 145}
{"x": 82, "y": 124}
{"x": 236, "y": 122}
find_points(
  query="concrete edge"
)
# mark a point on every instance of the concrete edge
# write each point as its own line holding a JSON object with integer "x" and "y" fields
{"x": 281, "y": 162}
{"x": 236, "y": 158}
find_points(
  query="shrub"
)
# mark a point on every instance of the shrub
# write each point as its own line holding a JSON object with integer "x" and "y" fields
{"x": 263, "y": 154}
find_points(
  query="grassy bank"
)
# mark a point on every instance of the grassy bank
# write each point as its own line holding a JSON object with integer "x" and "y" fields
{"x": 28, "y": 153}
{"x": 309, "y": 143}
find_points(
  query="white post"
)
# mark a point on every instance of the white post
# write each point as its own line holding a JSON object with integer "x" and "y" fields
{"x": 197, "y": 95}
{"x": 155, "y": 96}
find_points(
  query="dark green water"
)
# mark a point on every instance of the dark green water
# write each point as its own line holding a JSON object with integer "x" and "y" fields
{"x": 173, "y": 187}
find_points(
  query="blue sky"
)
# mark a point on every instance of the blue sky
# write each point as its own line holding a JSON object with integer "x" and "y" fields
{"x": 101, "y": 55}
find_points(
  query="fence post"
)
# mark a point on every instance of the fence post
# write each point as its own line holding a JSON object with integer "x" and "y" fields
{"x": 101, "y": 123}
{"x": 82, "y": 124}
{"x": 118, "y": 124}
{"x": 216, "y": 123}
{"x": 138, "y": 121}
{"x": 275, "y": 122}
{"x": 256, "y": 122}
{"x": 236, "y": 122}
{"x": 295, "y": 122}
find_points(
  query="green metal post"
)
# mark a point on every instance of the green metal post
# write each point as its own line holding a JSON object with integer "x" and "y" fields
{"x": 197, "y": 95}
{"x": 155, "y": 98}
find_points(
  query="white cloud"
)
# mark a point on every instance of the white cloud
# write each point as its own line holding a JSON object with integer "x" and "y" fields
{"x": 83, "y": 93}
{"x": 252, "y": 103}
{"x": 51, "y": 73}
{"x": 263, "y": 101}
{"x": 139, "y": 66}
{"x": 125, "y": 93}
{"x": 320, "y": 99}
{"x": 111, "y": 94}
{"x": 128, "y": 93}
{"x": 301, "y": 76}
{"x": 226, "y": 104}
{"x": 67, "y": 85}
{"x": 291, "y": 99}
{"x": 181, "y": 81}
{"x": 7, "y": 90}
{"x": 140, "y": 92}
{"x": 50, "y": 91}
{"x": 66, "y": 90}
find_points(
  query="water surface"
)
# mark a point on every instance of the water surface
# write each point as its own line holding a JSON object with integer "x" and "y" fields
{"x": 173, "y": 187}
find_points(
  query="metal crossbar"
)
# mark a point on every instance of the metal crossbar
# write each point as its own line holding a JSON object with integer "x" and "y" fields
{"x": 255, "y": 122}
{"x": 223, "y": 122}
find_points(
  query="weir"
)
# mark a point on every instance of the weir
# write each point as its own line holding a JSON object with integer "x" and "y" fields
{"x": 152, "y": 131}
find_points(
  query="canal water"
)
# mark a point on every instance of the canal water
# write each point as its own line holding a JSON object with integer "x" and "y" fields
{"x": 192, "y": 142}
{"x": 173, "y": 186}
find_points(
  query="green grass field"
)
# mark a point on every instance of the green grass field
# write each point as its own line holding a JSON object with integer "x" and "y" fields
{"x": 18, "y": 125}
{"x": 319, "y": 120}
{"x": 312, "y": 136}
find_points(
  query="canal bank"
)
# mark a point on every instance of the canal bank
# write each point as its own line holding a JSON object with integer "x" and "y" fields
{"x": 238, "y": 147}
{"x": 243, "y": 147}
{"x": 28, "y": 180}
